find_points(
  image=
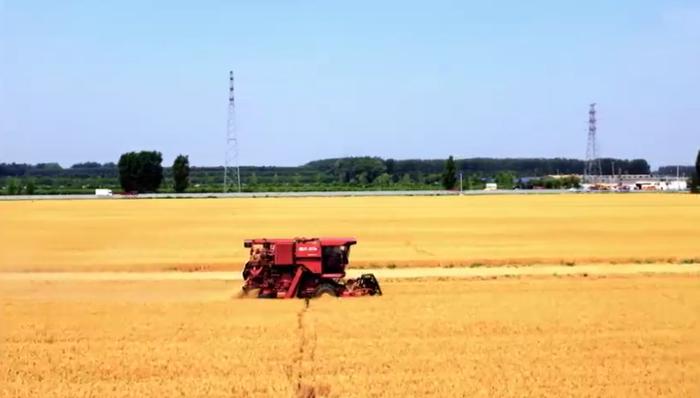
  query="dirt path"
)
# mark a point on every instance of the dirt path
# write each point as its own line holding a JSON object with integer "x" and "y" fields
{"x": 383, "y": 273}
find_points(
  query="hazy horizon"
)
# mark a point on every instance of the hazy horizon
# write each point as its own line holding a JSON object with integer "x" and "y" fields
{"x": 87, "y": 81}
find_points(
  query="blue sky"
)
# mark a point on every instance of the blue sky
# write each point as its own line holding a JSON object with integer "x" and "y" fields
{"x": 88, "y": 80}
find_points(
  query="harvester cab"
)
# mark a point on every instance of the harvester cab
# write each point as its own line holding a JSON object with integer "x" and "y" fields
{"x": 304, "y": 268}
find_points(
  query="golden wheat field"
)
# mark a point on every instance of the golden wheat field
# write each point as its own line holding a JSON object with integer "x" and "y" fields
{"x": 628, "y": 337}
{"x": 196, "y": 234}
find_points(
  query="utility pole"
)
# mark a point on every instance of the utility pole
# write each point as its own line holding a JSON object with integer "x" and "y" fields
{"x": 231, "y": 156}
{"x": 612, "y": 170}
{"x": 593, "y": 166}
{"x": 461, "y": 186}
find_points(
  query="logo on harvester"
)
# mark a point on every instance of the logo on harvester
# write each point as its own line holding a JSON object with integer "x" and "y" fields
{"x": 308, "y": 249}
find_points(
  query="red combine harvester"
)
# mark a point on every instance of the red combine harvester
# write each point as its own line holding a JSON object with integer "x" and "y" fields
{"x": 303, "y": 268}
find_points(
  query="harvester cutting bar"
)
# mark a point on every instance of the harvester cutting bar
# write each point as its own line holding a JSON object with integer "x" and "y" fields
{"x": 365, "y": 285}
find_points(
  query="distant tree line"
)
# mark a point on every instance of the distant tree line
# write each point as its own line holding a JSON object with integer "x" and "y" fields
{"x": 349, "y": 167}
{"x": 352, "y": 173}
{"x": 345, "y": 169}
{"x": 79, "y": 170}
{"x": 682, "y": 171}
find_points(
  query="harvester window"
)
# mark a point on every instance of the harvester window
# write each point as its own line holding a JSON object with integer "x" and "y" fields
{"x": 344, "y": 254}
{"x": 334, "y": 259}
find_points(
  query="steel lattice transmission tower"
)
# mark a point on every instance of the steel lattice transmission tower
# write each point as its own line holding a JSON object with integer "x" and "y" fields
{"x": 592, "y": 167}
{"x": 231, "y": 157}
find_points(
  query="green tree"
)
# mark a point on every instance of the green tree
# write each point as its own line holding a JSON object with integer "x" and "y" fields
{"x": 86, "y": 165}
{"x": 181, "y": 173}
{"x": 363, "y": 178}
{"x": 469, "y": 182}
{"x": 30, "y": 187}
{"x": 695, "y": 181}
{"x": 390, "y": 165}
{"x": 638, "y": 166}
{"x": 348, "y": 169}
{"x": 13, "y": 187}
{"x": 571, "y": 182}
{"x": 406, "y": 180}
{"x": 504, "y": 180}
{"x": 383, "y": 180}
{"x": 140, "y": 171}
{"x": 420, "y": 177}
{"x": 253, "y": 179}
{"x": 391, "y": 169}
{"x": 449, "y": 178}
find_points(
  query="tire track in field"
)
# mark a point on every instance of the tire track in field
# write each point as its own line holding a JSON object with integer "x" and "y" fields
{"x": 305, "y": 354}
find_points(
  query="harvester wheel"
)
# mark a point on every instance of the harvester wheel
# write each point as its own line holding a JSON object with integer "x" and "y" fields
{"x": 325, "y": 289}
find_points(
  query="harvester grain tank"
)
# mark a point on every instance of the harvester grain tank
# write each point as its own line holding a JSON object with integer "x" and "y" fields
{"x": 303, "y": 268}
